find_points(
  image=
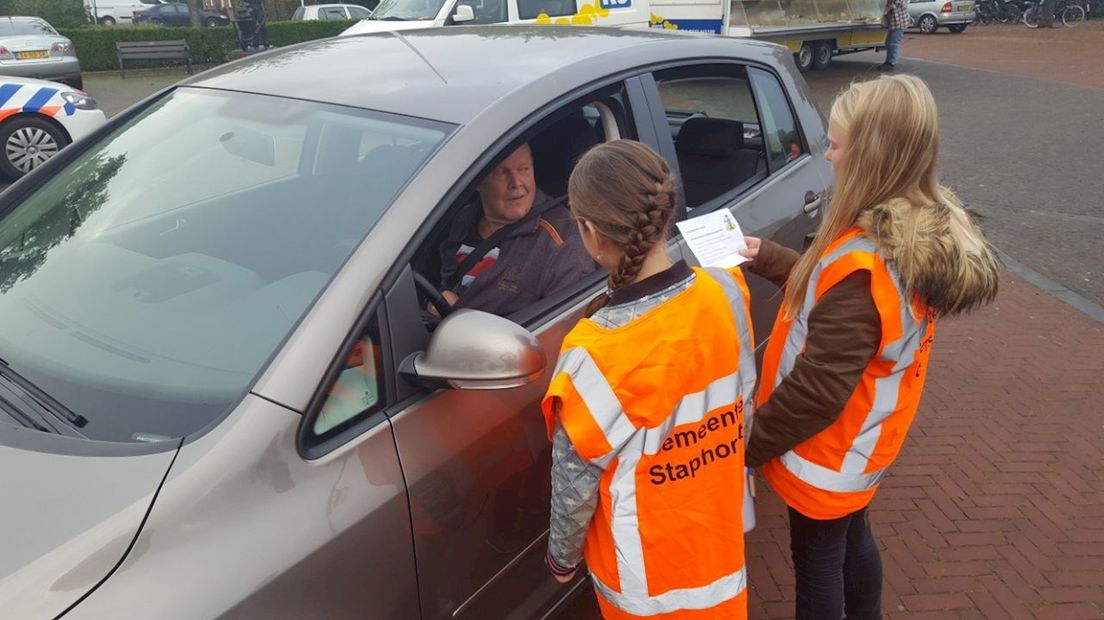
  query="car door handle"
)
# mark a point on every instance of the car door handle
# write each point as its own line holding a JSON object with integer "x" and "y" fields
{"x": 813, "y": 202}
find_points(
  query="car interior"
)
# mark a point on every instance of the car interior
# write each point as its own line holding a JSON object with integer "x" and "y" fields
{"x": 715, "y": 128}
{"x": 557, "y": 142}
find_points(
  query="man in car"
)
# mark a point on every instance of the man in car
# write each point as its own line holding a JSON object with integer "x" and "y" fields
{"x": 512, "y": 247}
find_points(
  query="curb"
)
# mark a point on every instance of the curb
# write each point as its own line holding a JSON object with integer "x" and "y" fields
{"x": 1092, "y": 310}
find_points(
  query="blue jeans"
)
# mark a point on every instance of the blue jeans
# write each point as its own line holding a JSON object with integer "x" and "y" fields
{"x": 893, "y": 46}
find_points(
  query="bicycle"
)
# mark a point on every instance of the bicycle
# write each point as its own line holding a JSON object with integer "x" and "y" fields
{"x": 1071, "y": 13}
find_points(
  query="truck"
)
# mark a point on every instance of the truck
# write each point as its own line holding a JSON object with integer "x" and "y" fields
{"x": 814, "y": 30}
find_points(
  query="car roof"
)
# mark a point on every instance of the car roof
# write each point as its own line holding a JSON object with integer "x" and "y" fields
{"x": 454, "y": 73}
{"x": 22, "y": 18}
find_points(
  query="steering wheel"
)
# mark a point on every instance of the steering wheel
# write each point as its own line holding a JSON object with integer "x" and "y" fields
{"x": 434, "y": 296}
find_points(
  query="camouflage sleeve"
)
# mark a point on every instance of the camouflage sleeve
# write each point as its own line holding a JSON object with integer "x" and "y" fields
{"x": 574, "y": 499}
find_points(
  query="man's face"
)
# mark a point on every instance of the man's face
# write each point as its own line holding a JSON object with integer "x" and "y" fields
{"x": 508, "y": 191}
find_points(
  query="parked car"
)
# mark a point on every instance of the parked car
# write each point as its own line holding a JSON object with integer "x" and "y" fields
{"x": 220, "y": 386}
{"x": 331, "y": 12}
{"x": 39, "y": 119}
{"x": 111, "y": 12}
{"x": 30, "y": 47}
{"x": 176, "y": 14}
{"x": 930, "y": 15}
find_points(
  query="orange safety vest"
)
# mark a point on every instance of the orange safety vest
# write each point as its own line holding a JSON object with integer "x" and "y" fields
{"x": 837, "y": 471}
{"x": 658, "y": 403}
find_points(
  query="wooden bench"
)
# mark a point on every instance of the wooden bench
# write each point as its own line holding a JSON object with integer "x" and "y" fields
{"x": 152, "y": 50}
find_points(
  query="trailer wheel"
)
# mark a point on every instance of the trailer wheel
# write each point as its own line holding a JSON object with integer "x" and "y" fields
{"x": 804, "y": 57}
{"x": 822, "y": 55}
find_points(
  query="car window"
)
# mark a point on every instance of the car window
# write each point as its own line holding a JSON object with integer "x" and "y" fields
{"x": 332, "y": 13}
{"x": 359, "y": 12}
{"x": 298, "y": 14}
{"x": 779, "y": 129}
{"x": 532, "y": 9}
{"x": 487, "y": 11}
{"x": 358, "y": 389}
{"x": 712, "y": 117}
{"x": 20, "y": 27}
{"x": 149, "y": 280}
{"x": 505, "y": 280}
{"x": 403, "y": 10}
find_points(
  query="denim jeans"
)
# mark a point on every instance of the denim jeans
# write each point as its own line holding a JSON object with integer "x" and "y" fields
{"x": 893, "y": 46}
{"x": 837, "y": 566}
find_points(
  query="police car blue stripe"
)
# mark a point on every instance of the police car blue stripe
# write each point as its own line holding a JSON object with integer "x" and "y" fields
{"x": 40, "y": 98}
{"x": 7, "y": 91}
{"x": 69, "y": 109}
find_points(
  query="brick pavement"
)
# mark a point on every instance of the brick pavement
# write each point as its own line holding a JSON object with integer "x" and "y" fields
{"x": 1067, "y": 55}
{"x": 995, "y": 508}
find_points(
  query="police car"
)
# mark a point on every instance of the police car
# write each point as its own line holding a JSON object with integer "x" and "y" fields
{"x": 39, "y": 118}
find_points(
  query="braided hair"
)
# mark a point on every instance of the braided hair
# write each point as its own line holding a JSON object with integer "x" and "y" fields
{"x": 627, "y": 191}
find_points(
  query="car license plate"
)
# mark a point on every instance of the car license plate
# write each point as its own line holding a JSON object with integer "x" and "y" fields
{"x": 965, "y": 8}
{"x": 32, "y": 55}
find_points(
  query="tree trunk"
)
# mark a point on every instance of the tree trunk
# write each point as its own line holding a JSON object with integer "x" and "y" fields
{"x": 1046, "y": 14}
{"x": 193, "y": 11}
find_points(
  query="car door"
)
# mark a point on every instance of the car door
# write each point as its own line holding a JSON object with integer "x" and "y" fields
{"x": 768, "y": 172}
{"x": 477, "y": 462}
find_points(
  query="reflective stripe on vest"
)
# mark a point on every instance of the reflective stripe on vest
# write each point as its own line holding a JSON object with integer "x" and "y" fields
{"x": 622, "y": 444}
{"x": 904, "y": 334}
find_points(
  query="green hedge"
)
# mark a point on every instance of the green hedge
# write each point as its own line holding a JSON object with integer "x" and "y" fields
{"x": 96, "y": 46}
{"x": 59, "y": 13}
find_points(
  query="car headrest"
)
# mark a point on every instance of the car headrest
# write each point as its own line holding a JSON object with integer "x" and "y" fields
{"x": 557, "y": 148}
{"x": 710, "y": 137}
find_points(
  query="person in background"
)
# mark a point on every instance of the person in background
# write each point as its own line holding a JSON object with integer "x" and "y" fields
{"x": 646, "y": 410}
{"x": 895, "y": 19}
{"x": 846, "y": 361}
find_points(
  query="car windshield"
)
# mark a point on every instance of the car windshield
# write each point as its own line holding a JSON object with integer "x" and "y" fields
{"x": 20, "y": 27}
{"x": 148, "y": 282}
{"x": 408, "y": 10}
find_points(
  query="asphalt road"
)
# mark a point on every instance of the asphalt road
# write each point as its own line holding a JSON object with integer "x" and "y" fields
{"x": 1025, "y": 153}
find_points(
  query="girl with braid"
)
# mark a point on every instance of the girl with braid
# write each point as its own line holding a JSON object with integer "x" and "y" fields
{"x": 646, "y": 410}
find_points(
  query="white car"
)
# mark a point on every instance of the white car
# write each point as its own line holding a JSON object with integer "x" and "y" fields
{"x": 111, "y": 12}
{"x": 331, "y": 12}
{"x": 39, "y": 118}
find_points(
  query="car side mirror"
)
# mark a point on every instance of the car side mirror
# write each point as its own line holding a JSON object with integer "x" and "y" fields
{"x": 464, "y": 13}
{"x": 473, "y": 350}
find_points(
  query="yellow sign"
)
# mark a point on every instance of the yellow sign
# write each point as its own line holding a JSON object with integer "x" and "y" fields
{"x": 32, "y": 55}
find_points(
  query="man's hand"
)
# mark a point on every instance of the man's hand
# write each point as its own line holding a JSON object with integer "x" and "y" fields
{"x": 449, "y": 297}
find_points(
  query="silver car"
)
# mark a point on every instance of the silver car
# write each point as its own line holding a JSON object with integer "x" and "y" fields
{"x": 31, "y": 48}
{"x": 221, "y": 394}
{"x": 930, "y": 15}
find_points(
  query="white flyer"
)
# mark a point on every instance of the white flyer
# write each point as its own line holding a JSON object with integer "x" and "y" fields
{"x": 714, "y": 238}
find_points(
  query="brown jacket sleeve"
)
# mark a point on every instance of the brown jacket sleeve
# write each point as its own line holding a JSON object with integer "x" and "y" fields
{"x": 844, "y": 334}
{"x": 774, "y": 262}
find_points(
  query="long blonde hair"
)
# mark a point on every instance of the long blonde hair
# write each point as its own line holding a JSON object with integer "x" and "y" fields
{"x": 892, "y": 132}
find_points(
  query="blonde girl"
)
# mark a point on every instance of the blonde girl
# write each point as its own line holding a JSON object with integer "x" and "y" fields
{"x": 847, "y": 358}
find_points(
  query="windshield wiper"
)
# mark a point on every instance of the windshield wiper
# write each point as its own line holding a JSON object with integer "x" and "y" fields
{"x": 392, "y": 18}
{"x": 36, "y": 409}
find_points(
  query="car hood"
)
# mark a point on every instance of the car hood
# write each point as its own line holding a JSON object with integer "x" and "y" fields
{"x": 36, "y": 83}
{"x": 69, "y": 518}
{"x": 367, "y": 26}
